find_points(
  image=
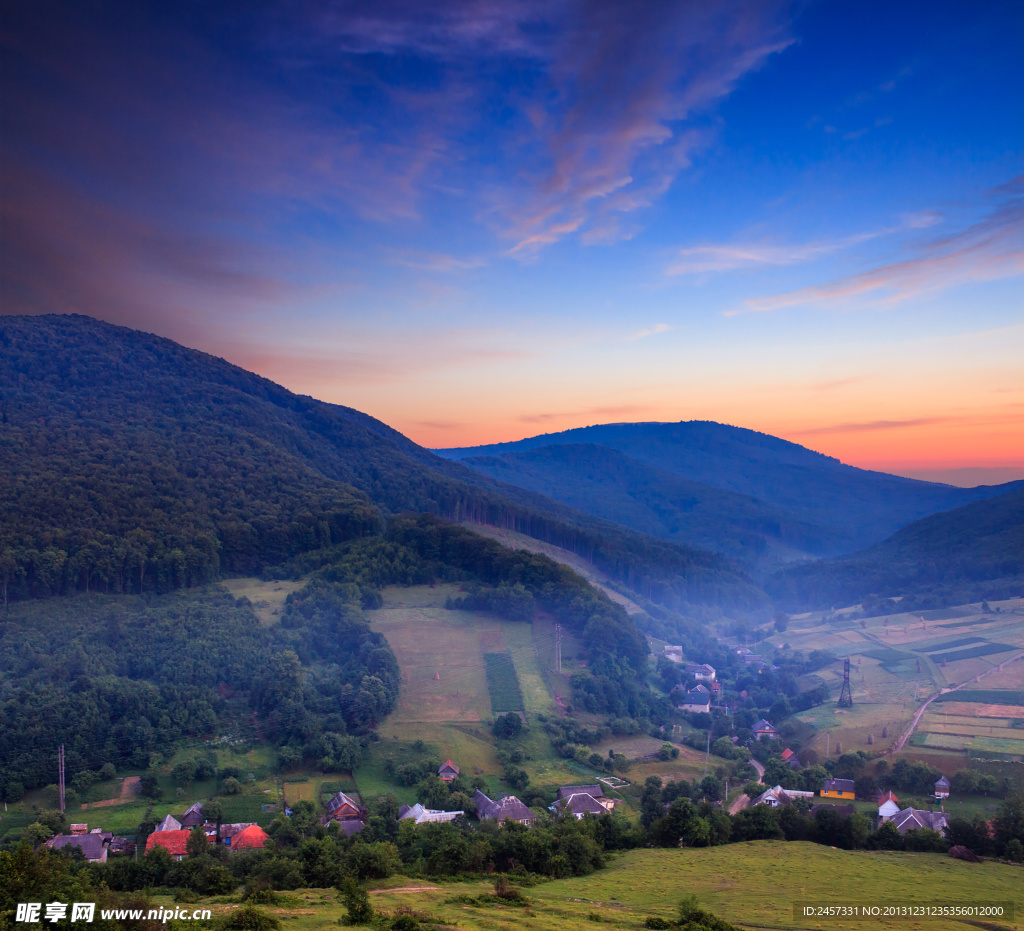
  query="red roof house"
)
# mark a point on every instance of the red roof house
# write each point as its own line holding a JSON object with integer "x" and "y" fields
{"x": 786, "y": 754}
{"x": 174, "y": 842}
{"x": 251, "y": 838}
{"x": 448, "y": 772}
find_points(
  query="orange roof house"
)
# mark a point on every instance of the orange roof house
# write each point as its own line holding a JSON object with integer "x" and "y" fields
{"x": 174, "y": 842}
{"x": 251, "y": 838}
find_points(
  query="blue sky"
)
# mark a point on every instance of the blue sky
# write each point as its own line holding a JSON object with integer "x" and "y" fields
{"x": 480, "y": 221}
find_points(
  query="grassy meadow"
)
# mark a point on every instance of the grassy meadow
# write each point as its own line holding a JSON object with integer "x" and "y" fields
{"x": 753, "y": 885}
{"x": 267, "y": 598}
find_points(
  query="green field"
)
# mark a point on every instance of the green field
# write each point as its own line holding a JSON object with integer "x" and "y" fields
{"x": 459, "y": 669}
{"x": 753, "y": 886}
{"x": 503, "y": 683}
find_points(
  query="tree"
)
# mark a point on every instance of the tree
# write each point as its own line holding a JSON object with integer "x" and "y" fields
{"x": 357, "y": 902}
{"x": 508, "y": 726}
{"x": 197, "y": 845}
{"x": 1009, "y": 826}
{"x": 36, "y": 833}
{"x": 213, "y": 811}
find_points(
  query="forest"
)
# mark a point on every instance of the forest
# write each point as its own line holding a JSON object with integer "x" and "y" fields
{"x": 119, "y": 678}
{"x": 129, "y": 463}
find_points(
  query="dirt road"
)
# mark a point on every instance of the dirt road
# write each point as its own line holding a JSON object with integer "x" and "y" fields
{"x": 908, "y": 733}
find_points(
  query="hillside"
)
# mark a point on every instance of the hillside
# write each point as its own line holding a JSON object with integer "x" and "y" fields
{"x": 611, "y": 485}
{"x": 967, "y": 554}
{"x": 823, "y": 506}
{"x": 129, "y": 463}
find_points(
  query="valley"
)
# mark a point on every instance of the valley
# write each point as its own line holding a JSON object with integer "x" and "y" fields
{"x": 302, "y": 608}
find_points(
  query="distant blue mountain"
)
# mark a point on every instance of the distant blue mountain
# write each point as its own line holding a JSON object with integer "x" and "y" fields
{"x": 737, "y": 491}
{"x": 971, "y": 553}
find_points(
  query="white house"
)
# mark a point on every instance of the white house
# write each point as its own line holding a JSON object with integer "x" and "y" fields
{"x": 888, "y": 807}
{"x": 701, "y": 672}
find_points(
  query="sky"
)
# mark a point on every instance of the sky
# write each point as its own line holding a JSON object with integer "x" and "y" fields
{"x": 481, "y": 221}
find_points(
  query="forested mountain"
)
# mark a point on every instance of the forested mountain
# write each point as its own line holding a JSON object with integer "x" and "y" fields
{"x": 129, "y": 463}
{"x": 609, "y": 484}
{"x": 967, "y": 554}
{"x": 805, "y": 501}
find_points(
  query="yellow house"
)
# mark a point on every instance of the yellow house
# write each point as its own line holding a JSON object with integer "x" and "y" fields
{"x": 838, "y": 788}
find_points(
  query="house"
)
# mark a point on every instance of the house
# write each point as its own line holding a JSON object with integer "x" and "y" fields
{"x": 742, "y": 651}
{"x": 94, "y": 847}
{"x": 596, "y": 792}
{"x": 174, "y": 842}
{"x": 913, "y": 819}
{"x": 942, "y": 787}
{"x": 449, "y": 772}
{"x": 252, "y": 837}
{"x": 716, "y": 688}
{"x": 750, "y": 659}
{"x": 80, "y": 829}
{"x": 763, "y": 730}
{"x": 420, "y": 815}
{"x": 507, "y": 809}
{"x": 702, "y": 672}
{"x": 674, "y": 653}
{"x": 345, "y": 808}
{"x": 776, "y": 796}
{"x": 888, "y": 806}
{"x": 582, "y": 800}
{"x": 790, "y": 759}
{"x": 228, "y": 831}
{"x": 170, "y": 823}
{"x": 350, "y": 827}
{"x": 193, "y": 817}
{"x": 838, "y": 788}
{"x": 697, "y": 700}
{"x": 579, "y": 804}
{"x": 121, "y": 846}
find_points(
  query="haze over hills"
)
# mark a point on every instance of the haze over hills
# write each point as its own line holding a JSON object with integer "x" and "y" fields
{"x": 129, "y": 461}
{"x": 967, "y": 554}
{"x": 736, "y": 491}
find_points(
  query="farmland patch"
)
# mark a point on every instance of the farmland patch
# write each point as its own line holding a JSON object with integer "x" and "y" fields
{"x": 503, "y": 683}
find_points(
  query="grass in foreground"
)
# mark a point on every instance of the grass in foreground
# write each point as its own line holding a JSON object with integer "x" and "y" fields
{"x": 752, "y": 885}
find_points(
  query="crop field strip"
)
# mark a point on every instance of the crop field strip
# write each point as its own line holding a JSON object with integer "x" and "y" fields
{"x": 503, "y": 683}
{"x": 989, "y": 649}
{"x": 985, "y": 696}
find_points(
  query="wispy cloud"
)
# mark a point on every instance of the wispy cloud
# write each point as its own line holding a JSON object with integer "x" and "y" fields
{"x": 986, "y": 250}
{"x": 649, "y": 331}
{"x": 722, "y": 257}
{"x": 623, "y": 410}
{"x": 871, "y": 426}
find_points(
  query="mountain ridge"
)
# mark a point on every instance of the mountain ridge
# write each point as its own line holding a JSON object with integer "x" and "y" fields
{"x": 847, "y": 507}
{"x": 107, "y": 429}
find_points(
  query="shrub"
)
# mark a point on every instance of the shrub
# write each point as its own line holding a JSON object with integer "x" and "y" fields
{"x": 248, "y": 918}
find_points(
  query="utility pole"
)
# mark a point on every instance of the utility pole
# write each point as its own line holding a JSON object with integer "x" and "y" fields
{"x": 707, "y": 757}
{"x": 558, "y": 647}
{"x": 828, "y": 743}
{"x": 60, "y": 774}
{"x": 846, "y": 696}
